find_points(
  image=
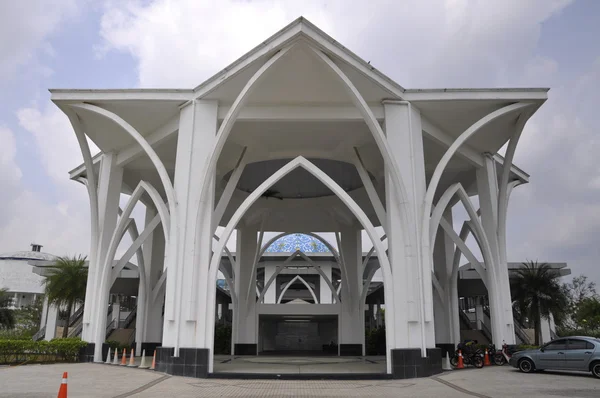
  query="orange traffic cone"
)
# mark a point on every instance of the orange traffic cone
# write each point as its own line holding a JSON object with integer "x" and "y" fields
{"x": 153, "y": 361}
{"x": 486, "y": 359}
{"x": 131, "y": 359}
{"x": 460, "y": 365}
{"x": 124, "y": 359}
{"x": 62, "y": 391}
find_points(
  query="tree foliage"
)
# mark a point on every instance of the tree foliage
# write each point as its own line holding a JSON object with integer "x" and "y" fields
{"x": 537, "y": 294}
{"x": 7, "y": 315}
{"x": 66, "y": 283}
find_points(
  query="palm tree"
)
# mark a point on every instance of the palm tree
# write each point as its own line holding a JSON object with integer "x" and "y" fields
{"x": 537, "y": 293}
{"x": 7, "y": 316}
{"x": 65, "y": 284}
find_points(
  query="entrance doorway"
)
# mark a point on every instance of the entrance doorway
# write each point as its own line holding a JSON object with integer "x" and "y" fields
{"x": 298, "y": 335}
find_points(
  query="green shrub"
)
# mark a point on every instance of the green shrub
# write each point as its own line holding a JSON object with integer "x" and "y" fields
{"x": 57, "y": 350}
{"x": 375, "y": 341}
{"x": 222, "y": 339}
{"x": 524, "y": 347}
{"x": 117, "y": 345}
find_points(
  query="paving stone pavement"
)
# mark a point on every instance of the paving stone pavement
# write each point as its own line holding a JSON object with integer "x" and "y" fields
{"x": 96, "y": 380}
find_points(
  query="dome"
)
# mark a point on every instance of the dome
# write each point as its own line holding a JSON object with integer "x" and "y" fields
{"x": 291, "y": 243}
{"x": 27, "y": 255}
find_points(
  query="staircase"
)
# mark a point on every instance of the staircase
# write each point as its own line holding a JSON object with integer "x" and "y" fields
{"x": 469, "y": 330}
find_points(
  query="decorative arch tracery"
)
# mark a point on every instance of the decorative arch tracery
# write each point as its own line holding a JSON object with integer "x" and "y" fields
{"x": 255, "y": 195}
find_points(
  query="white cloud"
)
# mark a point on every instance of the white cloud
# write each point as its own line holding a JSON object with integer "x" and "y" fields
{"x": 25, "y": 28}
{"x": 61, "y": 221}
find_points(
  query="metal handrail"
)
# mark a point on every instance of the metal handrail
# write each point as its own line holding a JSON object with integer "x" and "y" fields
{"x": 521, "y": 334}
{"x": 76, "y": 316}
{"x": 110, "y": 327}
{"x": 77, "y": 331}
{"x": 465, "y": 318}
{"x": 486, "y": 332}
{"x": 39, "y": 334}
{"x": 129, "y": 318}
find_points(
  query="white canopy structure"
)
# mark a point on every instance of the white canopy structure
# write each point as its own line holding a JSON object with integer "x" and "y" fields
{"x": 300, "y": 135}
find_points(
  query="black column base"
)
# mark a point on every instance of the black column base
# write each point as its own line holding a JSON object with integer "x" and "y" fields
{"x": 150, "y": 347}
{"x": 86, "y": 354}
{"x": 245, "y": 349}
{"x": 191, "y": 362}
{"x": 407, "y": 363}
{"x": 446, "y": 348}
{"x": 350, "y": 350}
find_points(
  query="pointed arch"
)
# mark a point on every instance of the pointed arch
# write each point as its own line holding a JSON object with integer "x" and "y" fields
{"x": 278, "y": 270}
{"x": 290, "y": 283}
{"x": 264, "y": 248}
{"x": 380, "y": 140}
{"x": 154, "y": 158}
{"x": 322, "y": 274}
{"x": 254, "y": 196}
{"x": 122, "y": 225}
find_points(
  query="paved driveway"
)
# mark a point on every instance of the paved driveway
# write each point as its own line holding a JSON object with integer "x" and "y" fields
{"x": 95, "y": 380}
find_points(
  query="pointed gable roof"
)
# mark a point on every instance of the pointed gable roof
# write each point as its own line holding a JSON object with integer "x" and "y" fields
{"x": 228, "y": 82}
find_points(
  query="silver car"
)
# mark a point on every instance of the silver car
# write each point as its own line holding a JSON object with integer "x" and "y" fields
{"x": 568, "y": 353}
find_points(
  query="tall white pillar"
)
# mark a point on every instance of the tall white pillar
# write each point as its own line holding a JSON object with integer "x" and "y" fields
{"x": 325, "y": 294}
{"x": 245, "y": 286}
{"x": 497, "y": 270}
{"x": 271, "y": 293}
{"x": 190, "y": 238}
{"x": 413, "y": 332}
{"x": 154, "y": 256}
{"x": 411, "y": 263}
{"x": 109, "y": 192}
{"x": 441, "y": 302}
{"x": 352, "y": 329}
{"x": 51, "y": 322}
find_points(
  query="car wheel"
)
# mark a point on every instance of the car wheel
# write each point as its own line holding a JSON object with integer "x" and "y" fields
{"x": 526, "y": 365}
{"x": 596, "y": 369}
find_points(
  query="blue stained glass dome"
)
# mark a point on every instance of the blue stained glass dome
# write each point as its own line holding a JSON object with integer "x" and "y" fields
{"x": 291, "y": 243}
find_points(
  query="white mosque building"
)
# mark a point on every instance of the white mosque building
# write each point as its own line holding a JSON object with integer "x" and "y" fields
{"x": 302, "y": 136}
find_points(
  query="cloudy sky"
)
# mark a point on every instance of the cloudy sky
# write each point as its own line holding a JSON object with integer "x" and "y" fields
{"x": 420, "y": 44}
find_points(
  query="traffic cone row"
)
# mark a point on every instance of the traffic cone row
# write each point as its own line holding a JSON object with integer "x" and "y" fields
{"x": 62, "y": 391}
{"x": 143, "y": 364}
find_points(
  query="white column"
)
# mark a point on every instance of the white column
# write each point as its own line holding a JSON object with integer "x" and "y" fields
{"x": 109, "y": 192}
{"x": 271, "y": 293}
{"x": 44, "y": 317}
{"x": 51, "y": 323}
{"x": 411, "y": 264}
{"x": 326, "y": 296}
{"x": 351, "y": 329}
{"x": 154, "y": 256}
{"x": 497, "y": 272}
{"x": 245, "y": 286}
{"x": 479, "y": 312}
{"x": 116, "y": 311}
{"x": 190, "y": 239}
{"x": 441, "y": 303}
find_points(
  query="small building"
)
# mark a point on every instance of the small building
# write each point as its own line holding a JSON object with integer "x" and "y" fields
{"x": 17, "y": 277}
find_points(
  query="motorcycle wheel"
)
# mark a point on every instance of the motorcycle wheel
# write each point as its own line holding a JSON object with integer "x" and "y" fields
{"x": 454, "y": 361}
{"x": 499, "y": 359}
{"x": 477, "y": 361}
